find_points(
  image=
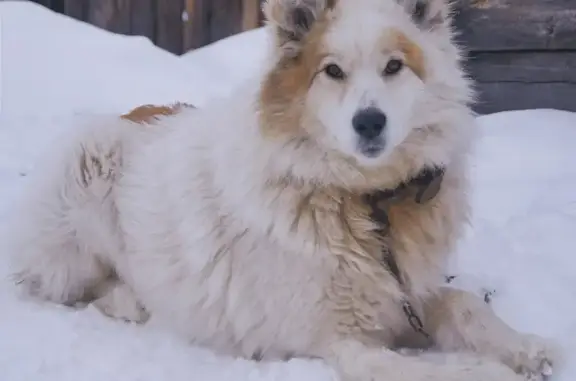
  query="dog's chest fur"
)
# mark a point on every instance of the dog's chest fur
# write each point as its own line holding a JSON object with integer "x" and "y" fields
{"x": 362, "y": 288}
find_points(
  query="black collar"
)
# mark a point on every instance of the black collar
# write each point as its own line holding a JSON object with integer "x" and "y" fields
{"x": 421, "y": 188}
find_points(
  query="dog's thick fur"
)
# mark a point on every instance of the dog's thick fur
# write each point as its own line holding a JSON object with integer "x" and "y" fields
{"x": 241, "y": 225}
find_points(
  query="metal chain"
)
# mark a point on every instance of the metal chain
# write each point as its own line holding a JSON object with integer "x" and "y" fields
{"x": 427, "y": 185}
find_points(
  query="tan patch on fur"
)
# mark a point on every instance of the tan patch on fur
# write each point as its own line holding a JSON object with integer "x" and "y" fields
{"x": 150, "y": 113}
{"x": 284, "y": 89}
{"x": 414, "y": 57}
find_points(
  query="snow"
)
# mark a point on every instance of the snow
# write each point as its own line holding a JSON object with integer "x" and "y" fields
{"x": 54, "y": 69}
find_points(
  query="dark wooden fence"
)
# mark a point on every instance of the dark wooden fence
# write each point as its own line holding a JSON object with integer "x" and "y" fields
{"x": 522, "y": 53}
{"x": 174, "y": 25}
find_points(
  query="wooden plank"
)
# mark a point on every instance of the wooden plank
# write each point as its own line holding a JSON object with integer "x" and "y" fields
{"x": 57, "y": 5}
{"x": 193, "y": 27}
{"x": 143, "y": 18}
{"x": 556, "y": 5}
{"x": 261, "y": 14}
{"x": 537, "y": 67}
{"x": 492, "y": 25}
{"x": 112, "y": 15}
{"x": 251, "y": 14}
{"x": 77, "y": 9}
{"x": 504, "y": 96}
{"x": 226, "y": 18}
{"x": 169, "y": 25}
{"x": 212, "y": 20}
{"x": 122, "y": 16}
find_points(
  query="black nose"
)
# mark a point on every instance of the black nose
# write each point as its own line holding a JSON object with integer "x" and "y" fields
{"x": 369, "y": 123}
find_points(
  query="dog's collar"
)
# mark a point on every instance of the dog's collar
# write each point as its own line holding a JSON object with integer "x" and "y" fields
{"x": 422, "y": 189}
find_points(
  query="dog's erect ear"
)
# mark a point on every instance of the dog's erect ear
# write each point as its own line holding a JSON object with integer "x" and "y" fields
{"x": 428, "y": 14}
{"x": 291, "y": 21}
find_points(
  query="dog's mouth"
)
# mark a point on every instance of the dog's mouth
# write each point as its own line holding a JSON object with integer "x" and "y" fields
{"x": 371, "y": 148}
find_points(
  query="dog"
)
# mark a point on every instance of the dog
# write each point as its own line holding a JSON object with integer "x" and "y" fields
{"x": 311, "y": 213}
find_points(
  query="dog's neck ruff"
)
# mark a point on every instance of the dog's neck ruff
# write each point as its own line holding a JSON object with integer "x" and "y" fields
{"x": 422, "y": 188}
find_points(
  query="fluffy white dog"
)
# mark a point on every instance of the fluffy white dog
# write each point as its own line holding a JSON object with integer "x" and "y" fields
{"x": 310, "y": 214}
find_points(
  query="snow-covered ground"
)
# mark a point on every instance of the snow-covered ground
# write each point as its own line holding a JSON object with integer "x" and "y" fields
{"x": 54, "y": 68}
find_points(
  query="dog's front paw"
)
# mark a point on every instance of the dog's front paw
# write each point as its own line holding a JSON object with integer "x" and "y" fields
{"x": 536, "y": 358}
{"x": 121, "y": 303}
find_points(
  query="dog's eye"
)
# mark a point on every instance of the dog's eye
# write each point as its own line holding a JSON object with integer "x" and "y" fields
{"x": 393, "y": 67}
{"x": 334, "y": 71}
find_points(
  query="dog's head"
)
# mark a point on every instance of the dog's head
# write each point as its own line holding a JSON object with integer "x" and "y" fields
{"x": 355, "y": 76}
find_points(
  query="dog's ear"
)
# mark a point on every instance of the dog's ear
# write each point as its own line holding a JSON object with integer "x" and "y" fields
{"x": 291, "y": 21}
{"x": 429, "y": 14}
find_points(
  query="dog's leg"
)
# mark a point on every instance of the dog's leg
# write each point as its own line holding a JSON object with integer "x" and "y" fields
{"x": 58, "y": 271}
{"x": 461, "y": 321}
{"x": 63, "y": 237}
{"x": 354, "y": 361}
{"x": 120, "y": 302}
